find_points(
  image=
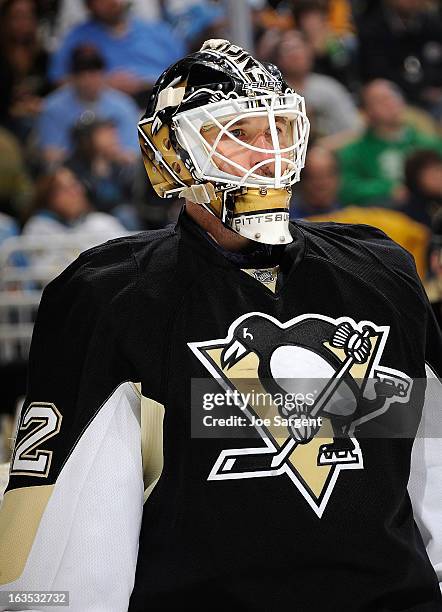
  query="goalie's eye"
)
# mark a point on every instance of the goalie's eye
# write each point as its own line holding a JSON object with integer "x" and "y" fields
{"x": 238, "y": 133}
{"x": 279, "y": 131}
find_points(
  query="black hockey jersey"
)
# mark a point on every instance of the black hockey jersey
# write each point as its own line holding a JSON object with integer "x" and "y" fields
{"x": 124, "y": 493}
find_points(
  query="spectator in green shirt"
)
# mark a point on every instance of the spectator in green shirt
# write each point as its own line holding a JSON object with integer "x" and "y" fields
{"x": 372, "y": 166}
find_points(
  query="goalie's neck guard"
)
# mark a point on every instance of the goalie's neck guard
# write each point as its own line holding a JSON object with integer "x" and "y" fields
{"x": 225, "y": 131}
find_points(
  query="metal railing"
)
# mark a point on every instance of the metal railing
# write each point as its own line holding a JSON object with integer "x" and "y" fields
{"x": 27, "y": 265}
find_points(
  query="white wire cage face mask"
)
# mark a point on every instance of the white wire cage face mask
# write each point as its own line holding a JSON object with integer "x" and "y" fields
{"x": 244, "y": 142}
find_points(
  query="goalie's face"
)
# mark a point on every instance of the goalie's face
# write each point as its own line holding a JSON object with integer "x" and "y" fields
{"x": 256, "y": 142}
{"x": 254, "y": 131}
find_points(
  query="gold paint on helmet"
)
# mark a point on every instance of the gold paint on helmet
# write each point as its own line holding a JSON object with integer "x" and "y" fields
{"x": 166, "y": 171}
{"x": 259, "y": 200}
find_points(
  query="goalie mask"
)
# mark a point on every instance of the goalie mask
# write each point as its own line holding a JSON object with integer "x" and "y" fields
{"x": 225, "y": 131}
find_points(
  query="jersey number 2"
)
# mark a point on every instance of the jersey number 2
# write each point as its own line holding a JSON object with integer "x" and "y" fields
{"x": 27, "y": 458}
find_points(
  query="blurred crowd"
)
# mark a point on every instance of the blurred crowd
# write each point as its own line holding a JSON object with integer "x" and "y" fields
{"x": 76, "y": 75}
{"x": 371, "y": 75}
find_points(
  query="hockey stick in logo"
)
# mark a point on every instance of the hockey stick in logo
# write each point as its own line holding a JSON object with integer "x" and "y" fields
{"x": 357, "y": 349}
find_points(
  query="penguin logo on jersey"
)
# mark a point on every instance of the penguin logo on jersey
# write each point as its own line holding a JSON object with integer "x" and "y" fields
{"x": 333, "y": 361}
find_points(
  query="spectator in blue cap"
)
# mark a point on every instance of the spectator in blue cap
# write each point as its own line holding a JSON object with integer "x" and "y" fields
{"x": 84, "y": 98}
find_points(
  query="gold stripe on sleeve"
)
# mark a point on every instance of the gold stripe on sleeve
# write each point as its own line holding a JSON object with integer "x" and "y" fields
{"x": 20, "y": 516}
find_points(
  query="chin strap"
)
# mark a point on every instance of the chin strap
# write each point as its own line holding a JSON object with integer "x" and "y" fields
{"x": 203, "y": 193}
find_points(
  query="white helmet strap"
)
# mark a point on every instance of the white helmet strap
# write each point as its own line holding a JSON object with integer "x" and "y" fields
{"x": 202, "y": 193}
